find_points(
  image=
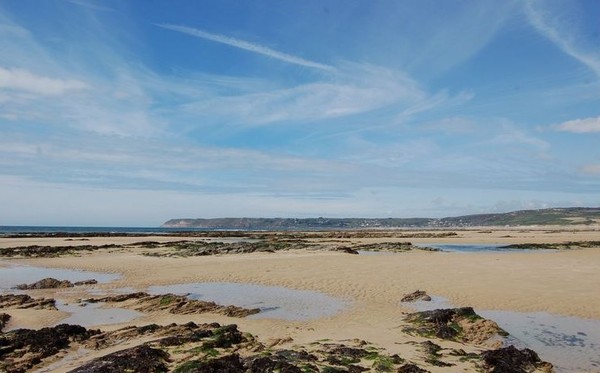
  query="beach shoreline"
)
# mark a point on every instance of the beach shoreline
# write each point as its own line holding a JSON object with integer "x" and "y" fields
{"x": 560, "y": 282}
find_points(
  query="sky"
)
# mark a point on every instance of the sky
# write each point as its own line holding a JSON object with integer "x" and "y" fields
{"x": 130, "y": 113}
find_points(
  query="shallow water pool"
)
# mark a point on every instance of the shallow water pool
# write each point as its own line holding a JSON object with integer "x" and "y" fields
{"x": 91, "y": 314}
{"x": 12, "y": 275}
{"x": 274, "y": 301}
{"x": 480, "y": 248}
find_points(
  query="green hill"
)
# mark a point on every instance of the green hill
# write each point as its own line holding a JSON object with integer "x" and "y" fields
{"x": 553, "y": 216}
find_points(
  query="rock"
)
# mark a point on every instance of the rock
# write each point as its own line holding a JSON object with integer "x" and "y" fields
{"x": 266, "y": 364}
{"x": 349, "y": 353}
{"x": 22, "y": 349}
{"x": 176, "y": 304}
{"x": 461, "y": 324}
{"x": 512, "y": 360}
{"x": 433, "y": 355}
{"x": 52, "y": 283}
{"x": 4, "y": 317}
{"x": 226, "y": 364}
{"x": 414, "y": 296}
{"x": 225, "y": 337}
{"x": 386, "y": 247}
{"x": 47, "y": 283}
{"x": 346, "y": 250}
{"x": 291, "y": 355}
{"x": 411, "y": 368}
{"x": 482, "y": 332}
{"x": 142, "y": 359}
{"x": 36, "y": 251}
{"x": 24, "y": 301}
{"x": 168, "y": 335}
{"x": 356, "y": 369}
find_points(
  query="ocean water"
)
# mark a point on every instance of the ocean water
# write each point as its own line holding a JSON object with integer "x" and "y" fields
{"x": 7, "y": 229}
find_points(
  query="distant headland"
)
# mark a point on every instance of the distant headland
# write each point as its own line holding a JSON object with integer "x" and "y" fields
{"x": 552, "y": 216}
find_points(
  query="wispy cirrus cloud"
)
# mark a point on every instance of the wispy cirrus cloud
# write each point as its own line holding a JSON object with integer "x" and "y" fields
{"x": 246, "y": 45}
{"x": 585, "y": 125}
{"x": 91, "y": 5}
{"x": 561, "y": 30}
{"x": 24, "y": 80}
{"x": 354, "y": 89}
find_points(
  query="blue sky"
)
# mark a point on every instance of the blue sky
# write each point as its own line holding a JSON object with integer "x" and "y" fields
{"x": 134, "y": 112}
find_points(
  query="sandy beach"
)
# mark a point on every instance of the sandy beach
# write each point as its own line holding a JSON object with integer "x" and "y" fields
{"x": 563, "y": 282}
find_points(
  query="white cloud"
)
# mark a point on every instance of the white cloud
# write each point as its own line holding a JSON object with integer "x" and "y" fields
{"x": 585, "y": 125}
{"x": 91, "y": 6}
{"x": 510, "y": 134}
{"x": 245, "y": 45}
{"x": 24, "y": 80}
{"x": 555, "y": 25}
{"x": 353, "y": 90}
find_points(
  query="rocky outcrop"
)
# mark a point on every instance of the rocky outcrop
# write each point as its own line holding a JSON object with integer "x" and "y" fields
{"x": 205, "y": 248}
{"x": 4, "y": 318}
{"x": 23, "y": 301}
{"x": 411, "y": 368}
{"x": 415, "y": 296}
{"x": 52, "y": 283}
{"x": 23, "y": 349}
{"x": 142, "y": 359}
{"x": 512, "y": 360}
{"x": 36, "y": 251}
{"x": 176, "y": 304}
{"x": 267, "y": 364}
{"x": 224, "y": 348}
{"x": 460, "y": 324}
{"x": 345, "y": 249}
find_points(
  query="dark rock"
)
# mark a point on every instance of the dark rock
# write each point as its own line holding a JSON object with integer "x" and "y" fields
{"x": 4, "y": 317}
{"x": 24, "y": 301}
{"x": 339, "y": 354}
{"x": 512, "y": 360}
{"x": 386, "y": 246}
{"x": 225, "y": 337}
{"x": 142, "y": 359}
{"x": 349, "y": 352}
{"x": 22, "y": 349}
{"x": 266, "y": 364}
{"x": 36, "y": 251}
{"x": 226, "y": 364}
{"x": 417, "y": 295}
{"x": 346, "y": 250}
{"x": 47, "y": 283}
{"x": 52, "y": 283}
{"x": 119, "y": 298}
{"x": 444, "y": 316}
{"x": 177, "y": 304}
{"x": 291, "y": 355}
{"x": 411, "y": 368}
{"x": 168, "y": 335}
{"x": 356, "y": 369}
{"x": 461, "y": 324}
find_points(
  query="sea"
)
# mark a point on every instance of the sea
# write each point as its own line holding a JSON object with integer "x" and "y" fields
{"x": 4, "y": 230}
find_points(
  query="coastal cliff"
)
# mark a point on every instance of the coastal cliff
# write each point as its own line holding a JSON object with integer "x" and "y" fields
{"x": 554, "y": 216}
